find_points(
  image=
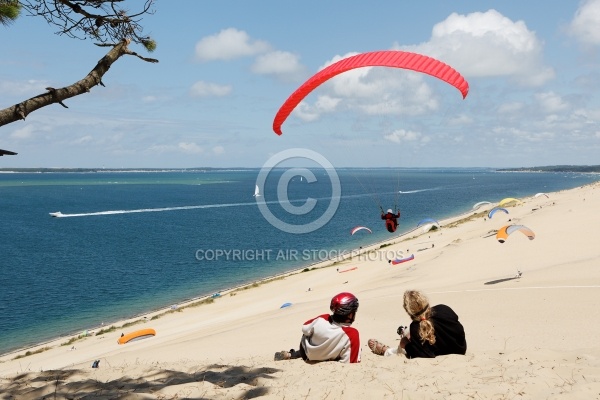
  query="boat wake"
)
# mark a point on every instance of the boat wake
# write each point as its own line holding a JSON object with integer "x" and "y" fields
{"x": 419, "y": 190}
{"x": 253, "y": 203}
{"x": 145, "y": 210}
{"x": 161, "y": 209}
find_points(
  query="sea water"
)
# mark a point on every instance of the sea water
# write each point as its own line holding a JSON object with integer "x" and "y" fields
{"x": 133, "y": 242}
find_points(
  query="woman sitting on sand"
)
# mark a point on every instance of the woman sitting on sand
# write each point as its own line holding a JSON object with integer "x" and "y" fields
{"x": 434, "y": 331}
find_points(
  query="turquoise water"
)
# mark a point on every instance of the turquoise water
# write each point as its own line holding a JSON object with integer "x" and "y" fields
{"x": 133, "y": 240}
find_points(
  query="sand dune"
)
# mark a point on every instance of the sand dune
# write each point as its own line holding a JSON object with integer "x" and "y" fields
{"x": 534, "y": 336}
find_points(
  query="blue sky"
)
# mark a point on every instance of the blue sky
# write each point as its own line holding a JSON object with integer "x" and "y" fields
{"x": 226, "y": 67}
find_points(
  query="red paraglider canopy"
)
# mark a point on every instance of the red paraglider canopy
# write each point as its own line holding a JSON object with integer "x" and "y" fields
{"x": 385, "y": 58}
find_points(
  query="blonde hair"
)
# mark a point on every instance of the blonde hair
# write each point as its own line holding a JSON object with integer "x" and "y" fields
{"x": 417, "y": 307}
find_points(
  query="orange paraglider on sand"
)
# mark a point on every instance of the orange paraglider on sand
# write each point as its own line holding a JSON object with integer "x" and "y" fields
{"x": 504, "y": 232}
{"x": 136, "y": 335}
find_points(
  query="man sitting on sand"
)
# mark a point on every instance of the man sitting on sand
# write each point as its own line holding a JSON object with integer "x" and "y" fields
{"x": 434, "y": 331}
{"x": 329, "y": 337}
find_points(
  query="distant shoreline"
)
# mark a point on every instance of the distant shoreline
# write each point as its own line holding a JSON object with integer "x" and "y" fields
{"x": 555, "y": 168}
{"x": 548, "y": 168}
{"x": 115, "y": 170}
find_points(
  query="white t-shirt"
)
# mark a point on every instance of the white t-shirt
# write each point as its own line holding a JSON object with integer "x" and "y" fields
{"x": 325, "y": 340}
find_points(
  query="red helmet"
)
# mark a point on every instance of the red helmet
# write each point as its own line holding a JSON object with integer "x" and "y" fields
{"x": 344, "y": 303}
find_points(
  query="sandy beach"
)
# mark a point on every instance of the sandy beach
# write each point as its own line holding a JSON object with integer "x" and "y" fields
{"x": 536, "y": 336}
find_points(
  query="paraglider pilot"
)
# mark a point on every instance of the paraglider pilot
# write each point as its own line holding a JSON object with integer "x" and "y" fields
{"x": 391, "y": 220}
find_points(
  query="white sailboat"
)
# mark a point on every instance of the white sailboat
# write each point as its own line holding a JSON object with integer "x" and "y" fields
{"x": 256, "y": 191}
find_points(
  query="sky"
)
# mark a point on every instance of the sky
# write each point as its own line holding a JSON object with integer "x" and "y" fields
{"x": 226, "y": 67}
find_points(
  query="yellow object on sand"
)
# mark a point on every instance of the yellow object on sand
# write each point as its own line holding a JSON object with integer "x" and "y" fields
{"x": 509, "y": 200}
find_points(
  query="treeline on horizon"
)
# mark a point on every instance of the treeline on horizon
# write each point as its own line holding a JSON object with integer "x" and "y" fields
{"x": 548, "y": 168}
{"x": 555, "y": 168}
{"x": 111, "y": 169}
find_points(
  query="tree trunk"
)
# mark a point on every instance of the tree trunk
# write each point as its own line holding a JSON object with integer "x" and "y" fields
{"x": 22, "y": 110}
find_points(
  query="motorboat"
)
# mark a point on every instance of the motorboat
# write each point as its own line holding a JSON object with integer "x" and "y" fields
{"x": 56, "y": 214}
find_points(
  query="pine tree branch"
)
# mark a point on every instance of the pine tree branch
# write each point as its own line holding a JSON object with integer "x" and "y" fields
{"x": 56, "y": 96}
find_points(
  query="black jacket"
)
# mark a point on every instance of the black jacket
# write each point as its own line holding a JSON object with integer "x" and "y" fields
{"x": 449, "y": 335}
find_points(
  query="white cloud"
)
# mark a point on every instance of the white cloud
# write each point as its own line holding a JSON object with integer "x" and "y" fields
{"x": 281, "y": 64}
{"x": 323, "y": 105}
{"x": 487, "y": 44}
{"x": 306, "y": 112}
{"x": 401, "y": 135}
{"x": 592, "y": 115}
{"x": 29, "y": 87}
{"x": 208, "y": 89}
{"x": 584, "y": 25}
{"x": 229, "y": 44}
{"x": 326, "y": 103}
{"x": 28, "y": 131}
{"x": 551, "y": 102}
{"x": 181, "y": 147}
{"x": 479, "y": 44}
{"x": 460, "y": 120}
{"x": 425, "y": 139}
{"x": 190, "y": 148}
{"x": 83, "y": 140}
